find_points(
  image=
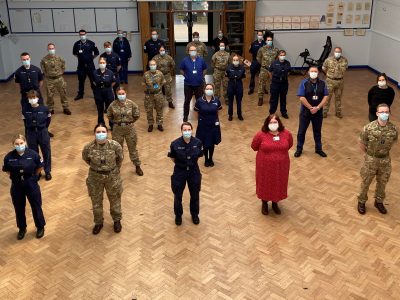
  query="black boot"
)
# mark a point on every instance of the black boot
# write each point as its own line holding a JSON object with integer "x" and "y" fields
{"x": 264, "y": 207}
{"x": 275, "y": 208}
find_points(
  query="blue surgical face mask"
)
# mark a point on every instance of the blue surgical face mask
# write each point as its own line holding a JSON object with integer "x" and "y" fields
{"x": 26, "y": 63}
{"x": 20, "y": 148}
{"x": 121, "y": 97}
{"x": 193, "y": 53}
{"x": 120, "y": 35}
{"x": 101, "y": 136}
{"x": 383, "y": 116}
{"x": 269, "y": 43}
{"x": 187, "y": 134}
{"x": 52, "y": 51}
{"x": 209, "y": 92}
{"x": 153, "y": 68}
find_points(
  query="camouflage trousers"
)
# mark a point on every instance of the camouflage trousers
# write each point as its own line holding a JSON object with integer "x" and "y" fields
{"x": 264, "y": 82}
{"x": 127, "y": 133}
{"x": 334, "y": 87}
{"x": 154, "y": 101}
{"x": 168, "y": 87}
{"x": 220, "y": 82}
{"x": 54, "y": 86}
{"x": 374, "y": 167}
{"x": 112, "y": 183}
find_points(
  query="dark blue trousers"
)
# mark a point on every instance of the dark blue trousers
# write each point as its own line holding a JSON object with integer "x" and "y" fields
{"x": 235, "y": 91}
{"x": 254, "y": 69}
{"x": 83, "y": 72}
{"x": 178, "y": 184}
{"x": 40, "y": 138}
{"x": 278, "y": 91}
{"x": 103, "y": 98}
{"x": 123, "y": 72}
{"x": 304, "y": 121}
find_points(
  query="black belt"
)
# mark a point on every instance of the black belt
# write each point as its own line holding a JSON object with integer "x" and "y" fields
{"x": 123, "y": 123}
{"x": 378, "y": 155}
{"x": 102, "y": 172}
{"x": 36, "y": 128}
{"x": 335, "y": 78}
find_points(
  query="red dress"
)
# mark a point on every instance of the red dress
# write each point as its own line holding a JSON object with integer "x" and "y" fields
{"x": 272, "y": 164}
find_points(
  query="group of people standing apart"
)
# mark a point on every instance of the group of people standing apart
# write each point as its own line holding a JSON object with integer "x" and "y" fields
{"x": 104, "y": 156}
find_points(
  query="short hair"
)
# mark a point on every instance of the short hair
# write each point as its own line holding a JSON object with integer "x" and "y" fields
{"x": 186, "y": 123}
{"x": 269, "y": 37}
{"x": 338, "y": 48}
{"x": 313, "y": 67}
{"x": 260, "y": 31}
{"x": 281, "y": 51}
{"x": 380, "y": 75}
{"x": 382, "y": 105}
{"x": 121, "y": 88}
{"x": 102, "y": 58}
{"x": 154, "y": 31}
{"x": 152, "y": 61}
{"x": 18, "y": 136}
{"x": 24, "y": 54}
{"x": 107, "y": 43}
{"x": 235, "y": 55}
{"x": 162, "y": 46}
{"x": 82, "y": 31}
{"x": 195, "y": 34}
{"x": 51, "y": 44}
{"x": 265, "y": 127}
{"x": 221, "y": 43}
{"x": 100, "y": 125}
{"x": 32, "y": 93}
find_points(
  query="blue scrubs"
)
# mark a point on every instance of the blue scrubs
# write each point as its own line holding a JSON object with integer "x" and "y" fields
{"x": 103, "y": 92}
{"x": 122, "y": 47}
{"x": 235, "y": 87}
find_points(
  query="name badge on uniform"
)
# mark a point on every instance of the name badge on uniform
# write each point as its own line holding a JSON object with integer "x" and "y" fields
{"x": 276, "y": 138}
{"x": 155, "y": 86}
{"x": 80, "y": 51}
{"x": 217, "y": 123}
{"x": 122, "y": 50}
{"x": 194, "y": 71}
{"x": 315, "y": 97}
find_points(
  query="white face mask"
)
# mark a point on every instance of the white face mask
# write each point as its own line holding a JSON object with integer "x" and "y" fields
{"x": 259, "y": 37}
{"x": 195, "y": 39}
{"x": 220, "y": 35}
{"x": 108, "y": 50}
{"x": 83, "y": 37}
{"x": 120, "y": 35}
{"x": 33, "y": 101}
{"x": 154, "y": 37}
{"x": 193, "y": 53}
{"x": 222, "y": 48}
{"x": 338, "y": 54}
{"x": 273, "y": 126}
{"x": 162, "y": 53}
{"x": 313, "y": 75}
{"x": 102, "y": 66}
{"x": 382, "y": 83}
{"x": 282, "y": 57}
{"x": 235, "y": 63}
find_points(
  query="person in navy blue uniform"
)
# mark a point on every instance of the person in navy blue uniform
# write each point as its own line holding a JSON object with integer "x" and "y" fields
{"x": 103, "y": 80}
{"x": 208, "y": 129}
{"x": 255, "y": 66}
{"x": 220, "y": 39}
{"x": 29, "y": 77}
{"x": 193, "y": 68}
{"x": 185, "y": 152}
{"x": 37, "y": 120}
{"x": 235, "y": 73}
{"x": 279, "y": 70}
{"x": 86, "y": 51}
{"x": 313, "y": 94}
{"x": 122, "y": 47}
{"x": 113, "y": 64}
{"x": 152, "y": 45}
{"x": 23, "y": 165}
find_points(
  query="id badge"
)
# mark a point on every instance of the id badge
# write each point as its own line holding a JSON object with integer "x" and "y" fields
{"x": 194, "y": 71}
{"x": 122, "y": 50}
{"x": 80, "y": 51}
{"x": 217, "y": 123}
{"x": 276, "y": 138}
{"x": 315, "y": 97}
{"x": 155, "y": 86}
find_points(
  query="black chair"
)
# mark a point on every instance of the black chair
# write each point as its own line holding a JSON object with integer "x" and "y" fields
{"x": 308, "y": 61}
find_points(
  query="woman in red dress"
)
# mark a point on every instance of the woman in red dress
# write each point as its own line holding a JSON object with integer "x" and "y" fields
{"x": 272, "y": 144}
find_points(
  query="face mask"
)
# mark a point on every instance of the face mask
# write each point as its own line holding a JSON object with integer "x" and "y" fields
{"x": 120, "y": 35}
{"x": 338, "y": 55}
{"x": 154, "y": 37}
{"x": 209, "y": 92}
{"x": 153, "y": 68}
{"x": 52, "y": 51}
{"x": 220, "y": 35}
{"x": 259, "y": 37}
{"x": 83, "y": 37}
{"x": 187, "y": 134}
{"x": 222, "y": 48}
{"x": 20, "y": 148}
{"x": 269, "y": 43}
{"x": 313, "y": 75}
{"x": 101, "y": 136}
{"x": 121, "y": 97}
{"x": 236, "y": 63}
{"x": 383, "y": 116}
{"x": 195, "y": 39}
{"x": 193, "y": 53}
{"x": 382, "y": 83}
{"x": 162, "y": 53}
{"x": 102, "y": 66}
{"x": 33, "y": 101}
{"x": 26, "y": 63}
{"x": 108, "y": 50}
{"x": 273, "y": 126}
{"x": 282, "y": 57}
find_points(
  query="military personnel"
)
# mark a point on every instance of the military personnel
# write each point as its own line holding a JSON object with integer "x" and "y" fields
{"x": 376, "y": 140}
{"x": 255, "y": 66}
{"x": 53, "y": 67}
{"x": 152, "y": 45}
{"x": 265, "y": 56}
{"x": 153, "y": 81}
{"x": 201, "y": 48}
{"x": 220, "y": 62}
{"x": 166, "y": 65}
{"x": 113, "y": 64}
{"x": 104, "y": 157}
{"x": 122, "y": 47}
{"x": 124, "y": 113}
{"x": 334, "y": 68}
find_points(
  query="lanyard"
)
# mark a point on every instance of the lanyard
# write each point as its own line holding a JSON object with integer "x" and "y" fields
{"x": 194, "y": 64}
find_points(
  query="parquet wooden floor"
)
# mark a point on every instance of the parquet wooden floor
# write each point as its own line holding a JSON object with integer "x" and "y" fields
{"x": 319, "y": 248}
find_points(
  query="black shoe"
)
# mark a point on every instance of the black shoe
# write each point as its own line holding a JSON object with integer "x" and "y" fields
{"x": 66, "y": 111}
{"x": 139, "y": 171}
{"x": 240, "y": 118}
{"x": 297, "y": 153}
{"x": 21, "y": 234}
{"x": 97, "y": 228}
{"x": 117, "y": 226}
{"x": 206, "y": 163}
{"x": 250, "y": 92}
{"x": 50, "y": 134}
{"x": 160, "y": 127}
{"x": 185, "y": 119}
{"x": 260, "y": 101}
{"x": 171, "y": 105}
{"x": 48, "y": 176}
{"x": 285, "y": 115}
{"x": 230, "y": 118}
{"x": 211, "y": 163}
{"x": 78, "y": 97}
{"x": 178, "y": 221}
{"x": 321, "y": 153}
{"x": 380, "y": 207}
{"x": 39, "y": 233}
{"x": 264, "y": 207}
{"x": 196, "y": 220}
{"x": 361, "y": 208}
{"x": 275, "y": 208}
{"x": 52, "y": 111}
{"x": 150, "y": 129}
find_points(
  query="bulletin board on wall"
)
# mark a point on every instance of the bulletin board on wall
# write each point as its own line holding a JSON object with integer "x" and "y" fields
{"x": 314, "y": 15}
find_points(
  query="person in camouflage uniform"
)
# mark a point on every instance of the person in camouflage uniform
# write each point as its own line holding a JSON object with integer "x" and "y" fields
{"x": 376, "y": 140}
{"x": 53, "y": 67}
{"x": 220, "y": 62}
{"x": 166, "y": 64}
{"x": 154, "y": 81}
{"x": 124, "y": 113}
{"x": 334, "y": 68}
{"x": 265, "y": 56}
{"x": 200, "y": 46}
{"x": 104, "y": 157}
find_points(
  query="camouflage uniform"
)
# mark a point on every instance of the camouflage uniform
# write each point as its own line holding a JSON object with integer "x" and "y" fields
{"x": 53, "y": 67}
{"x": 378, "y": 141}
{"x": 200, "y": 46}
{"x": 220, "y": 61}
{"x": 123, "y": 117}
{"x": 334, "y": 69}
{"x": 265, "y": 56}
{"x": 153, "y": 97}
{"x": 166, "y": 65}
{"x": 105, "y": 161}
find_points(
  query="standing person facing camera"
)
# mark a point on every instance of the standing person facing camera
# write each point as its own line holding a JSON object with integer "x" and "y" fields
{"x": 23, "y": 165}
{"x": 272, "y": 144}
{"x": 379, "y": 94}
{"x": 113, "y": 63}
{"x": 166, "y": 65}
{"x": 235, "y": 73}
{"x": 184, "y": 152}
{"x": 104, "y": 157}
{"x": 122, "y": 47}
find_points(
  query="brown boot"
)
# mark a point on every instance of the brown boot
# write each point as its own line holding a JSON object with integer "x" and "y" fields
{"x": 260, "y": 101}
{"x": 139, "y": 171}
{"x": 275, "y": 208}
{"x": 264, "y": 207}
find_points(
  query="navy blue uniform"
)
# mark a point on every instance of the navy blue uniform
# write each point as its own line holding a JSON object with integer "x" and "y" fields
{"x": 235, "y": 87}
{"x": 37, "y": 121}
{"x": 279, "y": 85}
{"x": 217, "y": 41}
{"x": 86, "y": 52}
{"x": 151, "y": 48}
{"x": 103, "y": 92}
{"x": 255, "y": 66}
{"x": 113, "y": 62}
{"x": 186, "y": 169}
{"x": 29, "y": 79}
{"x": 314, "y": 93}
{"x": 24, "y": 184}
{"x": 122, "y": 47}
{"x": 208, "y": 129}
